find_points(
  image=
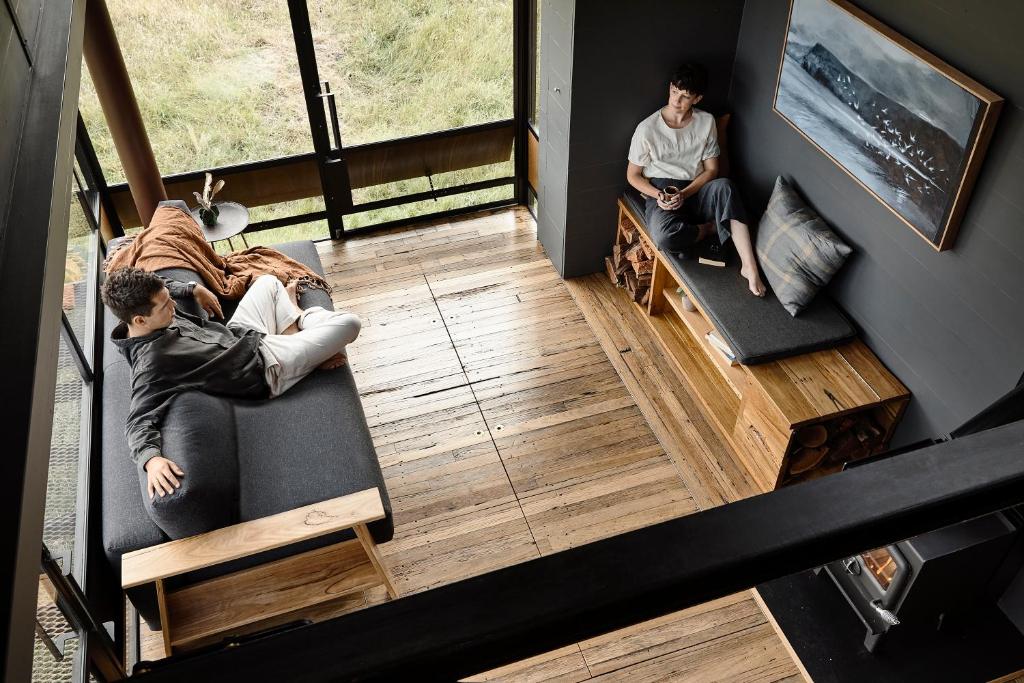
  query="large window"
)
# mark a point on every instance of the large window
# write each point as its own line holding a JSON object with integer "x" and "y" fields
{"x": 404, "y": 67}
{"x": 64, "y": 517}
{"x": 217, "y": 83}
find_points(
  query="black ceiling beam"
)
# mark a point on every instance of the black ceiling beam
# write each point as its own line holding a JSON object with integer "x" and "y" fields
{"x": 538, "y": 606}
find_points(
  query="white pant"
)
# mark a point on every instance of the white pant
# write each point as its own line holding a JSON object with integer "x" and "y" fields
{"x": 290, "y": 357}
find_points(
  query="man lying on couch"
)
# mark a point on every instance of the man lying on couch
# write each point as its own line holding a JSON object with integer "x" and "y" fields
{"x": 268, "y": 345}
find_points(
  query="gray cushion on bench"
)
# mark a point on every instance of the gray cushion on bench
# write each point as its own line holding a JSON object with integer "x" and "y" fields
{"x": 758, "y": 330}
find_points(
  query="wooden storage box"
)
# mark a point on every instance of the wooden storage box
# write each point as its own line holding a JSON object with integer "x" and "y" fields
{"x": 788, "y": 420}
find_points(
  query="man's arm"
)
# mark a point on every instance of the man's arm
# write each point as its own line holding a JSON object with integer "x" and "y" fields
{"x": 206, "y": 299}
{"x": 709, "y": 173}
{"x": 635, "y": 177}
{"x": 179, "y": 290}
{"x": 150, "y": 399}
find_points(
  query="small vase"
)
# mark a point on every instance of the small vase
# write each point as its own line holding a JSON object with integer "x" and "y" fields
{"x": 209, "y": 216}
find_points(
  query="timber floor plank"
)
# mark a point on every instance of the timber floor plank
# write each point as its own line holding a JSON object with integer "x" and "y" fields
{"x": 622, "y": 479}
{"x": 516, "y": 414}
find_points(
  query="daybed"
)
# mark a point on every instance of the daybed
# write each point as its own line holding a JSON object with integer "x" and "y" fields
{"x": 244, "y": 461}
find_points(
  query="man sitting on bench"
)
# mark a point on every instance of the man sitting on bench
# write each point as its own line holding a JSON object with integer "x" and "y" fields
{"x": 677, "y": 146}
{"x": 268, "y": 345}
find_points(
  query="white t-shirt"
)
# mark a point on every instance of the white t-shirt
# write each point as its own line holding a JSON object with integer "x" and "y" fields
{"x": 666, "y": 152}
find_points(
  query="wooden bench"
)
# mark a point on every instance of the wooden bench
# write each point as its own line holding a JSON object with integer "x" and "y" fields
{"x": 204, "y": 612}
{"x": 788, "y": 420}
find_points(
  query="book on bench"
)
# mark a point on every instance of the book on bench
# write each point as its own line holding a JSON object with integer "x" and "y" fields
{"x": 721, "y": 347}
{"x": 710, "y": 252}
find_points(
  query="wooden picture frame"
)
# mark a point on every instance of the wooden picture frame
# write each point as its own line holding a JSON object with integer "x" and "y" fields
{"x": 860, "y": 87}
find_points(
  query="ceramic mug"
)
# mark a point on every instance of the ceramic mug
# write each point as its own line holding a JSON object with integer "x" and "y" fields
{"x": 669, "y": 194}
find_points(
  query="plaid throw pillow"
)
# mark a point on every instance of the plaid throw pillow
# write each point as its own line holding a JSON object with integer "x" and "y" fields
{"x": 798, "y": 252}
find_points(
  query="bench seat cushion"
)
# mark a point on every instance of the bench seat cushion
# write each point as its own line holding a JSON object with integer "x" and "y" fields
{"x": 758, "y": 330}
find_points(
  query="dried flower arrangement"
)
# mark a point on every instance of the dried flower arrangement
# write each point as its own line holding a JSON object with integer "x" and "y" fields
{"x": 208, "y": 211}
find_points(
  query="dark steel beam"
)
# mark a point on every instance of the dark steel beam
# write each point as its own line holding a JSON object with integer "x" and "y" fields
{"x": 16, "y": 21}
{"x": 286, "y": 221}
{"x": 33, "y": 240}
{"x": 75, "y": 348}
{"x": 538, "y": 606}
{"x": 100, "y": 652}
{"x": 85, "y": 153}
{"x": 427, "y": 217}
{"x": 432, "y": 194}
{"x": 522, "y": 84}
{"x": 331, "y": 163}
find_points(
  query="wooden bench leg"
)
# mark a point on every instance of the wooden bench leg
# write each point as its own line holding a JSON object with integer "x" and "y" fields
{"x": 658, "y": 280}
{"x": 370, "y": 546}
{"x": 165, "y": 622}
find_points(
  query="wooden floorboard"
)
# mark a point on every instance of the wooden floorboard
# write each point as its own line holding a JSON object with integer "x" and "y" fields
{"x": 516, "y": 414}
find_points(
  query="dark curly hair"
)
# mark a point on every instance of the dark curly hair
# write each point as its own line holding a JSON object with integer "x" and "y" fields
{"x": 129, "y": 292}
{"x": 691, "y": 77}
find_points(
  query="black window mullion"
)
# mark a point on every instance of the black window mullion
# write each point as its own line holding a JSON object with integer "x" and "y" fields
{"x": 77, "y": 354}
{"x": 89, "y": 201}
{"x": 522, "y": 82}
{"x": 95, "y": 181}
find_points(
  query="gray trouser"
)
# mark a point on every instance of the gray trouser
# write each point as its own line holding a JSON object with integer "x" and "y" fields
{"x": 716, "y": 202}
{"x": 290, "y": 357}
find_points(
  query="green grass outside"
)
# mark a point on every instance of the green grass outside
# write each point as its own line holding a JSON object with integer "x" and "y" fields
{"x": 218, "y": 83}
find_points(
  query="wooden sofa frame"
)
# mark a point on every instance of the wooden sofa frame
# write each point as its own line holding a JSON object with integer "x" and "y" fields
{"x": 764, "y": 411}
{"x": 204, "y": 612}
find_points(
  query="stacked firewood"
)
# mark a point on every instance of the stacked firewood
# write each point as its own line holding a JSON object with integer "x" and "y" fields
{"x": 631, "y": 265}
{"x": 834, "y": 442}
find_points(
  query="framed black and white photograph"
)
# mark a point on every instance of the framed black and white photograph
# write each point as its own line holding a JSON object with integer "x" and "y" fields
{"x": 911, "y": 129}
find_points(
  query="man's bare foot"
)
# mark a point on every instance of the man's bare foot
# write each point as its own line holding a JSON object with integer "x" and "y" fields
{"x": 335, "y": 361}
{"x": 754, "y": 279}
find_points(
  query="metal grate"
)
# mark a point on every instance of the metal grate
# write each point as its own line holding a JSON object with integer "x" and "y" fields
{"x": 61, "y": 498}
{"x": 62, "y": 483}
{"x": 45, "y": 668}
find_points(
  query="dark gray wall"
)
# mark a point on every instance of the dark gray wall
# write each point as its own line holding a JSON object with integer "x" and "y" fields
{"x": 950, "y": 325}
{"x": 15, "y": 76}
{"x": 553, "y": 123}
{"x": 612, "y": 61}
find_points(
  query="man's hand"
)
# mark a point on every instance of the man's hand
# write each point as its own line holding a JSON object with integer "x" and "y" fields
{"x": 160, "y": 476}
{"x": 208, "y": 301}
{"x": 672, "y": 203}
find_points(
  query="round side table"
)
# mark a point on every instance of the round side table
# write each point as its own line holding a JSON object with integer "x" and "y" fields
{"x": 232, "y": 220}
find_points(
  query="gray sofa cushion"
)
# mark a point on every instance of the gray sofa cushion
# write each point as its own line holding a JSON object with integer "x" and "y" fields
{"x": 797, "y": 250}
{"x": 282, "y": 442}
{"x": 757, "y": 329}
{"x": 199, "y": 436}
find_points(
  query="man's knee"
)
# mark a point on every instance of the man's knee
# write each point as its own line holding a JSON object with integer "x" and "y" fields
{"x": 347, "y": 326}
{"x": 722, "y": 185}
{"x": 265, "y": 281}
{"x": 352, "y": 321}
{"x": 661, "y": 241}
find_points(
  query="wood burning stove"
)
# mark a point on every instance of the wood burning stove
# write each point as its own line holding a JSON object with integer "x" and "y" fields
{"x": 915, "y": 587}
{"x": 918, "y": 585}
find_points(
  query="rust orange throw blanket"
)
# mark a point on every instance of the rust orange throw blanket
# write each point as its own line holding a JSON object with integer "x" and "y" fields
{"x": 174, "y": 240}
